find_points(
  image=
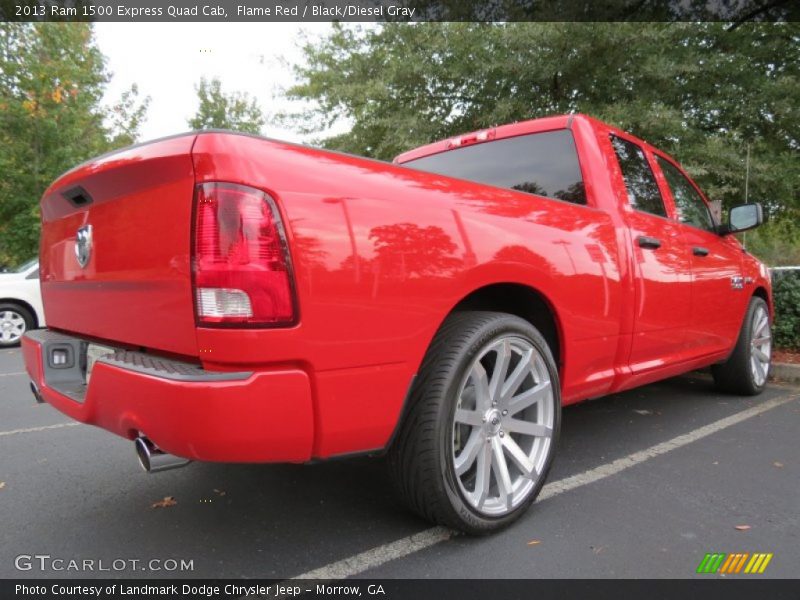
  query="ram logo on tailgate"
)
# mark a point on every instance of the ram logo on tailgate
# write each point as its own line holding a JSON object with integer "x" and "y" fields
{"x": 83, "y": 245}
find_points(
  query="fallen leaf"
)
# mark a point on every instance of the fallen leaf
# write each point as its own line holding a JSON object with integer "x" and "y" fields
{"x": 2, "y": 484}
{"x": 599, "y": 549}
{"x": 742, "y": 527}
{"x": 166, "y": 502}
{"x": 534, "y": 542}
{"x": 775, "y": 464}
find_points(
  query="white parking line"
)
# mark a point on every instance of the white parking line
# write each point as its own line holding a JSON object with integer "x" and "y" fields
{"x": 403, "y": 547}
{"x": 13, "y": 374}
{"x": 379, "y": 555}
{"x": 42, "y": 428}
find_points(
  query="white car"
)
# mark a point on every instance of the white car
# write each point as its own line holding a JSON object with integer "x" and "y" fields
{"x": 20, "y": 303}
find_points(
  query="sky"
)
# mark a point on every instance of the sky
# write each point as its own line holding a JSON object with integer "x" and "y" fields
{"x": 167, "y": 60}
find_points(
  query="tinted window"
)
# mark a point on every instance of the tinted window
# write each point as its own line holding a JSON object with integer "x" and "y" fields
{"x": 25, "y": 266}
{"x": 691, "y": 207}
{"x": 539, "y": 163}
{"x": 643, "y": 193}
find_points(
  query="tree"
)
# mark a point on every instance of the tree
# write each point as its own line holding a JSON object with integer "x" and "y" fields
{"x": 701, "y": 91}
{"x": 218, "y": 110}
{"x": 52, "y": 79}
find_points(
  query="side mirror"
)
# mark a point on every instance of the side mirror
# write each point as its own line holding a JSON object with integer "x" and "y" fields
{"x": 744, "y": 217}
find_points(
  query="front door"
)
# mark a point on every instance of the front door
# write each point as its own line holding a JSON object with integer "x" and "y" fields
{"x": 719, "y": 293}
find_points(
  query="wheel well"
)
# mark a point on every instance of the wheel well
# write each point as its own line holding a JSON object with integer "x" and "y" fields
{"x": 24, "y": 305}
{"x": 522, "y": 301}
{"x": 762, "y": 293}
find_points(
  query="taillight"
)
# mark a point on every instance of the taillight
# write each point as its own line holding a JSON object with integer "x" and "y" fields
{"x": 242, "y": 271}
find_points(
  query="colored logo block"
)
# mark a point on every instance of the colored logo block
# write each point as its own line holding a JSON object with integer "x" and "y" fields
{"x": 732, "y": 564}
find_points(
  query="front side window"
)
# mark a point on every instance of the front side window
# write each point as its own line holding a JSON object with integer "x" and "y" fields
{"x": 692, "y": 209}
{"x": 643, "y": 192}
{"x": 545, "y": 164}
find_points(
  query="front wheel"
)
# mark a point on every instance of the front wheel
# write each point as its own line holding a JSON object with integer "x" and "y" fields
{"x": 480, "y": 435}
{"x": 746, "y": 370}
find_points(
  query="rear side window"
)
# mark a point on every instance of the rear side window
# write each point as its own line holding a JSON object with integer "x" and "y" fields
{"x": 643, "y": 192}
{"x": 692, "y": 209}
{"x": 545, "y": 164}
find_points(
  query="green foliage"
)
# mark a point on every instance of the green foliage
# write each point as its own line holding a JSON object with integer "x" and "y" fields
{"x": 126, "y": 116}
{"x": 786, "y": 294}
{"x": 700, "y": 91}
{"x": 52, "y": 79}
{"x": 776, "y": 243}
{"x": 218, "y": 110}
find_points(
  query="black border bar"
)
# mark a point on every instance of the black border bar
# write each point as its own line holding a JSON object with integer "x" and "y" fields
{"x": 706, "y": 587}
{"x": 734, "y": 11}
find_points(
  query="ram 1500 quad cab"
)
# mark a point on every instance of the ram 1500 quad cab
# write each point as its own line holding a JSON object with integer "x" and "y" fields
{"x": 223, "y": 297}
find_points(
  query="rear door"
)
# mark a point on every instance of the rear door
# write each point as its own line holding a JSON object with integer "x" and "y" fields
{"x": 662, "y": 267}
{"x": 719, "y": 293}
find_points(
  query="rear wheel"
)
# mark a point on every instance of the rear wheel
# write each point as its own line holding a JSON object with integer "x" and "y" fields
{"x": 14, "y": 322}
{"x": 746, "y": 370}
{"x": 479, "y": 438}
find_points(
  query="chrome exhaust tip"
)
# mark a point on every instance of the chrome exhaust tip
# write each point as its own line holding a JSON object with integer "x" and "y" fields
{"x": 36, "y": 393}
{"x": 153, "y": 460}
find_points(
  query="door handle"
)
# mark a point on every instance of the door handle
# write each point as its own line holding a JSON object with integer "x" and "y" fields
{"x": 648, "y": 242}
{"x": 700, "y": 251}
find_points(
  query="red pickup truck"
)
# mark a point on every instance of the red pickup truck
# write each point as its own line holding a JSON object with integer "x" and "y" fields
{"x": 223, "y": 297}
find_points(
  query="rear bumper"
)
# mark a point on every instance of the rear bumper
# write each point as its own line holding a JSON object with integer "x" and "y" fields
{"x": 261, "y": 416}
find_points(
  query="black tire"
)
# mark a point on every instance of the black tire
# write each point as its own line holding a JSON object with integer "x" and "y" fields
{"x": 735, "y": 375}
{"x": 20, "y": 311}
{"x": 421, "y": 460}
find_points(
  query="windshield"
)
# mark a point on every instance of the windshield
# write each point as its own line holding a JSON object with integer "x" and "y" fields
{"x": 24, "y": 266}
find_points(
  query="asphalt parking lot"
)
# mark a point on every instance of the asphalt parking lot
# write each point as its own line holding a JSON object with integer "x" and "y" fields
{"x": 645, "y": 484}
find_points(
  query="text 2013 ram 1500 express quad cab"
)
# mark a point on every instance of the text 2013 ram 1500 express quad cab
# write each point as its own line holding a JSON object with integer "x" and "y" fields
{"x": 224, "y": 297}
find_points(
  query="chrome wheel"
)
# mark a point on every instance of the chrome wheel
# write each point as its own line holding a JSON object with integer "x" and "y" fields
{"x": 12, "y": 327}
{"x": 760, "y": 346}
{"x": 503, "y": 426}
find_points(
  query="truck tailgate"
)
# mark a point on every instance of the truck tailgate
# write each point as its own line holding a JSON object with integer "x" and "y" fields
{"x": 116, "y": 246}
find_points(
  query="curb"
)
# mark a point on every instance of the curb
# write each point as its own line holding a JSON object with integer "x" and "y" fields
{"x": 785, "y": 372}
